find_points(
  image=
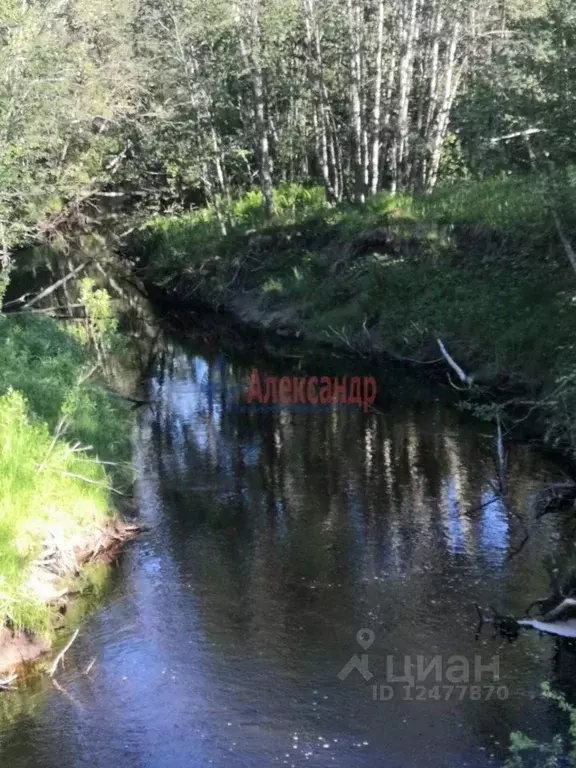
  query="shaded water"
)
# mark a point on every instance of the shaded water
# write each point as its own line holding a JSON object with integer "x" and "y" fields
{"x": 275, "y": 537}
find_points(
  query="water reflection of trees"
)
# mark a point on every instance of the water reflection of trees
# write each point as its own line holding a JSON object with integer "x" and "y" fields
{"x": 296, "y": 529}
{"x": 332, "y": 497}
{"x": 410, "y": 474}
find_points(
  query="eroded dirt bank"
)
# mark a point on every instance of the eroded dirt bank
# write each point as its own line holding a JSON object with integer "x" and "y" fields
{"x": 58, "y": 578}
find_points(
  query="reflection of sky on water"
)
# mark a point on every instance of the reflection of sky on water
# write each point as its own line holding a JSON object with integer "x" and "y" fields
{"x": 454, "y": 523}
{"x": 281, "y": 522}
{"x": 216, "y": 387}
{"x": 357, "y": 518}
{"x": 271, "y": 541}
{"x": 494, "y": 528}
{"x": 194, "y": 401}
{"x": 493, "y": 537}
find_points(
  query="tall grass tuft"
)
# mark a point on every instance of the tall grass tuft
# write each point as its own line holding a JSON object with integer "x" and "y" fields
{"x": 59, "y": 428}
{"x": 50, "y": 495}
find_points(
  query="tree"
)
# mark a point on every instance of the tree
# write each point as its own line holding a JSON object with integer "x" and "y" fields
{"x": 193, "y": 101}
{"x": 61, "y": 102}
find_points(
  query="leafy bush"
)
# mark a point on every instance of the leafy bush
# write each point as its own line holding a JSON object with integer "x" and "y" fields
{"x": 40, "y": 360}
{"x": 561, "y": 751}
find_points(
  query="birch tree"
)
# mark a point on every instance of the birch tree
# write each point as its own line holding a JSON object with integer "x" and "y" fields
{"x": 195, "y": 102}
{"x": 356, "y": 116}
{"x": 376, "y": 126}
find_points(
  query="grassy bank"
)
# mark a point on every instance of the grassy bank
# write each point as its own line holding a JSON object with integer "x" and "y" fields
{"x": 479, "y": 265}
{"x": 58, "y": 430}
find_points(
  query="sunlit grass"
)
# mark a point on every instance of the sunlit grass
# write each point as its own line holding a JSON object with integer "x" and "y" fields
{"x": 507, "y": 202}
{"x": 57, "y": 427}
{"x": 478, "y": 263}
{"x": 45, "y": 362}
{"x": 49, "y": 495}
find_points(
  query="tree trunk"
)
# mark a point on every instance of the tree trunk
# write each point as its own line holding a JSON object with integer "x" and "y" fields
{"x": 375, "y": 169}
{"x": 355, "y": 100}
{"x": 440, "y": 129}
{"x": 260, "y": 110}
{"x": 318, "y": 94}
{"x": 252, "y": 54}
{"x": 433, "y": 68}
{"x": 405, "y": 87}
{"x": 389, "y": 147}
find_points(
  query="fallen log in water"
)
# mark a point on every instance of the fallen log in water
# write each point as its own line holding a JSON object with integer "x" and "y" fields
{"x": 558, "y": 628}
{"x": 560, "y": 621}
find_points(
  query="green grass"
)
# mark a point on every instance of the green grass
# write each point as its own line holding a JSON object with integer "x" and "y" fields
{"x": 42, "y": 499}
{"x": 44, "y": 361}
{"x": 40, "y": 360}
{"x": 478, "y": 264}
{"x": 503, "y": 201}
{"x": 56, "y": 431}
{"x": 509, "y": 206}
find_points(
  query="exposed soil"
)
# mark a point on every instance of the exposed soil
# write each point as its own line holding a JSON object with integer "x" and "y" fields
{"x": 102, "y": 545}
{"x": 18, "y": 648}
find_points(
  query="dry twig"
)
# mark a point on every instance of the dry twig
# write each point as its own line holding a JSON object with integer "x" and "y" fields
{"x": 62, "y": 653}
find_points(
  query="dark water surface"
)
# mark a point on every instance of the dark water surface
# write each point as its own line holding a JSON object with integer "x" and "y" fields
{"x": 275, "y": 537}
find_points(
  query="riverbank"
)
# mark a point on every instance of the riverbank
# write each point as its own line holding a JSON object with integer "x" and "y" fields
{"x": 64, "y": 453}
{"x": 479, "y": 265}
{"x": 272, "y": 541}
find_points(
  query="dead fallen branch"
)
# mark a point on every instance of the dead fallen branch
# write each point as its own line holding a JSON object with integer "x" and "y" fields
{"x": 523, "y": 134}
{"x": 95, "y": 482}
{"x": 557, "y": 611}
{"x": 51, "y": 288}
{"x": 62, "y": 653}
{"x": 464, "y": 378}
{"x": 58, "y": 311}
{"x": 66, "y": 693}
{"x": 568, "y": 602}
{"x": 565, "y": 629}
{"x": 110, "y": 543}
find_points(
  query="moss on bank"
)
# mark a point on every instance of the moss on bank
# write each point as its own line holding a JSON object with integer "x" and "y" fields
{"x": 479, "y": 265}
{"x": 57, "y": 428}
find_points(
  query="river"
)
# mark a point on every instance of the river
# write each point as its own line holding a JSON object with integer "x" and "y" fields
{"x": 281, "y": 545}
